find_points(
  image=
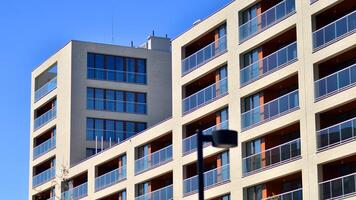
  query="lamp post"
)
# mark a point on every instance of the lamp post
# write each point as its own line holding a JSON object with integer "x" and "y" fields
{"x": 222, "y": 138}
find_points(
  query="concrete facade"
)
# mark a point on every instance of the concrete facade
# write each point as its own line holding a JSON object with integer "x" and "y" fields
{"x": 302, "y": 73}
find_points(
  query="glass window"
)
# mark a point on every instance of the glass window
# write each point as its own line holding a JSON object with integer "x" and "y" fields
{"x": 141, "y": 71}
{"x": 90, "y": 98}
{"x": 120, "y": 74}
{"x": 109, "y": 130}
{"x": 130, "y": 102}
{"x": 99, "y": 64}
{"x": 90, "y": 65}
{"x": 119, "y": 125}
{"x": 110, "y": 65}
{"x": 99, "y": 99}
{"x": 130, "y": 129}
{"x": 130, "y": 68}
{"x": 141, "y": 127}
{"x": 90, "y": 129}
{"x": 141, "y": 103}
{"x": 120, "y": 101}
{"x": 110, "y": 100}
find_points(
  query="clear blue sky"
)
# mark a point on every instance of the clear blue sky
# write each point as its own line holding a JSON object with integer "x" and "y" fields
{"x": 32, "y": 30}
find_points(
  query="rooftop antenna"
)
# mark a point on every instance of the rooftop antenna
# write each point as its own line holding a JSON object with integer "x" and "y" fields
{"x": 153, "y": 33}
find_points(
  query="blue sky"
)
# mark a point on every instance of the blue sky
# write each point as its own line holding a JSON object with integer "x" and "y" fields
{"x": 32, "y": 30}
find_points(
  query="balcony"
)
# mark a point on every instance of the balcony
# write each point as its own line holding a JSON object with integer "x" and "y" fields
{"x": 266, "y": 19}
{"x": 291, "y": 195}
{"x": 334, "y": 31}
{"x": 336, "y": 127}
{"x": 121, "y": 195}
{"x": 48, "y": 194}
{"x": 158, "y": 188}
{"x": 45, "y": 118}
{"x": 45, "y": 89}
{"x": 336, "y": 82}
{"x": 44, "y": 147}
{"x": 205, "y": 96}
{"x": 111, "y": 172}
{"x": 153, "y": 160}
{"x": 43, "y": 177}
{"x": 165, "y": 193}
{"x": 273, "y": 109}
{"x": 284, "y": 188}
{"x": 75, "y": 193}
{"x": 269, "y": 64}
{"x": 211, "y": 178}
{"x": 338, "y": 179}
{"x": 110, "y": 178}
{"x": 190, "y": 143}
{"x": 207, "y": 53}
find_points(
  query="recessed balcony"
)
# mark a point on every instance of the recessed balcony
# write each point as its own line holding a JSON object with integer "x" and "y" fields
{"x": 154, "y": 154}
{"x": 216, "y": 172}
{"x": 263, "y": 15}
{"x": 45, "y": 114}
{"x": 270, "y": 103}
{"x": 204, "y": 49}
{"x": 110, "y": 173}
{"x": 159, "y": 188}
{"x": 287, "y": 187}
{"x": 48, "y": 194}
{"x": 76, "y": 188}
{"x": 269, "y": 57}
{"x": 45, "y": 82}
{"x": 334, "y": 24}
{"x": 336, "y": 127}
{"x": 44, "y": 172}
{"x": 44, "y": 143}
{"x": 274, "y": 149}
{"x": 337, "y": 180}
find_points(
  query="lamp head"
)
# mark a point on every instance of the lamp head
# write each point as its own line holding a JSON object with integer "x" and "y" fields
{"x": 224, "y": 138}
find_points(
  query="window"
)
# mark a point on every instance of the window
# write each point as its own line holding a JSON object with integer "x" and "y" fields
{"x": 112, "y": 130}
{"x": 116, "y": 101}
{"x": 116, "y": 68}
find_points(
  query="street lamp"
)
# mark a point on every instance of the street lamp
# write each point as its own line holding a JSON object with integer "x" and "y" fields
{"x": 222, "y": 138}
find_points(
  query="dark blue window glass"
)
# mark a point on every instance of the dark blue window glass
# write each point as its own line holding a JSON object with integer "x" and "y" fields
{"x": 141, "y": 127}
{"x": 90, "y": 98}
{"x": 141, "y": 103}
{"x": 110, "y": 66}
{"x": 120, "y": 74}
{"x": 90, "y": 129}
{"x": 119, "y": 131}
{"x": 110, "y": 100}
{"x": 109, "y": 130}
{"x": 99, "y": 99}
{"x": 141, "y": 71}
{"x": 91, "y": 64}
{"x": 99, "y": 129}
{"x": 130, "y": 102}
{"x": 99, "y": 65}
{"x": 130, "y": 129}
{"x": 130, "y": 70}
{"x": 120, "y": 106}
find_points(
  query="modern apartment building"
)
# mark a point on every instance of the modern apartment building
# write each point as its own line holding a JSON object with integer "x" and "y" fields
{"x": 280, "y": 72}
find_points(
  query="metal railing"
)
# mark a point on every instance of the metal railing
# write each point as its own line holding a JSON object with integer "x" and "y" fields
{"x": 338, "y": 188}
{"x": 334, "y": 31}
{"x": 273, "y": 156}
{"x": 110, "y": 178}
{"x": 76, "y": 193}
{"x": 118, "y": 106}
{"x": 190, "y": 143}
{"x": 335, "y": 82}
{"x": 116, "y": 75}
{"x": 203, "y": 55}
{"x": 44, "y": 147}
{"x": 45, "y": 89}
{"x": 45, "y": 118}
{"x": 291, "y": 195}
{"x": 211, "y": 178}
{"x": 43, "y": 177}
{"x": 266, "y": 19}
{"x": 205, "y": 96}
{"x": 272, "y": 109}
{"x": 155, "y": 159}
{"x": 107, "y": 135}
{"x": 165, "y": 193}
{"x": 336, "y": 134}
{"x": 272, "y": 62}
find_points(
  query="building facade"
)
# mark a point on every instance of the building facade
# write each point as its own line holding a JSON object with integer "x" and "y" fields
{"x": 281, "y": 73}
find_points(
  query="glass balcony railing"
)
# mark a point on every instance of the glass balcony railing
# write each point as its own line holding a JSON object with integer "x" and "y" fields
{"x": 205, "y": 54}
{"x": 110, "y": 178}
{"x": 272, "y": 109}
{"x": 291, "y": 195}
{"x": 335, "y": 82}
{"x": 190, "y": 143}
{"x": 165, "y": 193}
{"x": 271, "y": 157}
{"x": 272, "y": 62}
{"x": 338, "y": 188}
{"x": 211, "y": 178}
{"x": 205, "y": 96}
{"x": 155, "y": 159}
{"x": 44, "y": 147}
{"x": 45, "y": 89}
{"x": 266, "y": 19}
{"x": 75, "y": 193}
{"x": 43, "y": 177}
{"x": 336, "y": 134}
{"x": 334, "y": 31}
{"x": 45, "y": 118}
